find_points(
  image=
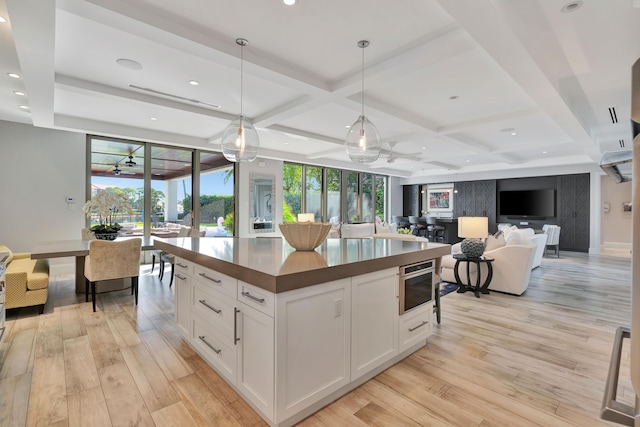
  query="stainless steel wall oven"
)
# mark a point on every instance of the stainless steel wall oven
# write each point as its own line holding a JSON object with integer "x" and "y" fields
{"x": 416, "y": 284}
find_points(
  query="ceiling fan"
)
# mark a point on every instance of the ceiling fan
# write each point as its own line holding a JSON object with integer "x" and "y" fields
{"x": 117, "y": 171}
{"x": 130, "y": 163}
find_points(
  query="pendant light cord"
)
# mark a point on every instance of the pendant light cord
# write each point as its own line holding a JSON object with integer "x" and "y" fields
{"x": 362, "y": 93}
{"x": 241, "y": 74}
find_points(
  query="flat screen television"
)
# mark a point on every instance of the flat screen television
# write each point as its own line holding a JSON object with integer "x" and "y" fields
{"x": 528, "y": 203}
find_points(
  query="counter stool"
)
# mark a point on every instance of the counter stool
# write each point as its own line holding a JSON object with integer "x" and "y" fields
{"x": 416, "y": 227}
{"x": 435, "y": 232}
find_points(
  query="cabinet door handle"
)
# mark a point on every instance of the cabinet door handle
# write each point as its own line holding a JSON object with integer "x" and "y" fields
{"x": 204, "y": 302}
{"x": 235, "y": 326}
{"x": 210, "y": 278}
{"x": 181, "y": 265}
{"x": 216, "y": 350}
{"x": 256, "y": 299}
{"x": 424, "y": 322}
{"x": 180, "y": 277}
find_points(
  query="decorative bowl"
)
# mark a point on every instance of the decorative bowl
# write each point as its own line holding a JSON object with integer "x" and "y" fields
{"x": 305, "y": 236}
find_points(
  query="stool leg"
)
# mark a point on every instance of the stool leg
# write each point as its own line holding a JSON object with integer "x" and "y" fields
{"x": 171, "y": 280}
{"x": 93, "y": 295}
{"x": 153, "y": 262}
{"x": 134, "y": 283}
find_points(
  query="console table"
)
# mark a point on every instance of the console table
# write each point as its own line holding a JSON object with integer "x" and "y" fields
{"x": 477, "y": 289}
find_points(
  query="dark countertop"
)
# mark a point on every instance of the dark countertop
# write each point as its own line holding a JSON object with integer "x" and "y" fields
{"x": 273, "y": 265}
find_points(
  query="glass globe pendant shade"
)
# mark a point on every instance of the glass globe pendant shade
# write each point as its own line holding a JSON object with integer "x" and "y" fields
{"x": 363, "y": 141}
{"x": 240, "y": 141}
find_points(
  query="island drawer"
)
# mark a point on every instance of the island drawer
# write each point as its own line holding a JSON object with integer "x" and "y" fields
{"x": 218, "y": 350}
{"x": 218, "y": 281}
{"x": 181, "y": 265}
{"x": 217, "y": 308}
{"x": 415, "y": 326}
{"x": 257, "y": 298}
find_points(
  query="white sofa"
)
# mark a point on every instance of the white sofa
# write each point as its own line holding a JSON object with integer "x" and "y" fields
{"x": 513, "y": 261}
{"x": 370, "y": 230}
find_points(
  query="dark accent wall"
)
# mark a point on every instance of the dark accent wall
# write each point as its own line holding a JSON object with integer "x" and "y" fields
{"x": 481, "y": 198}
{"x": 411, "y": 200}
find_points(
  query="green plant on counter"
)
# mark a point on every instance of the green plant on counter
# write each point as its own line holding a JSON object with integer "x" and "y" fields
{"x": 404, "y": 231}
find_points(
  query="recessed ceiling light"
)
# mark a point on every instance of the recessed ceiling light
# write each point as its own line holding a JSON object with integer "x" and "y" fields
{"x": 129, "y": 63}
{"x": 347, "y": 126}
{"x": 17, "y": 92}
{"x": 286, "y": 143}
{"x": 544, "y": 152}
{"x": 14, "y": 75}
{"x": 289, "y": 2}
{"x": 2, "y": 19}
{"x": 513, "y": 133}
{"x": 507, "y": 130}
{"x": 23, "y": 107}
{"x": 571, "y": 6}
{"x": 468, "y": 161}
{"x": 153, "y": 118}
{"x": 194, "y": 82}
{"x": 424, "y": 148}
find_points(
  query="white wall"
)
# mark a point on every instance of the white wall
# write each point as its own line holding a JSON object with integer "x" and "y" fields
{"x": 39, "y": 169}
{"x": 615, "y": 224}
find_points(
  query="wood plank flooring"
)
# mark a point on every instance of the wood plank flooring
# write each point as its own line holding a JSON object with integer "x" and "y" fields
{"x": 536, "y": 360}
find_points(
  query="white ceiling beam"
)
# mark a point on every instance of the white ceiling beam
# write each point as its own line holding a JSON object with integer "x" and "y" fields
{"x": 33, "y": 27}
{"x": 472, "y": 124}
{"x": 91, "y": 88}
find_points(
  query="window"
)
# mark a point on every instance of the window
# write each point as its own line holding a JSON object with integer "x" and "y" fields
{"x": 332, "y": 194}
{"x": 158, "y": 180}
{"x": 291, "y": 192}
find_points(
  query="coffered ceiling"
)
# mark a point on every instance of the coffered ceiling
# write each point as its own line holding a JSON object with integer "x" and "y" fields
{"x": 454, "y": 86}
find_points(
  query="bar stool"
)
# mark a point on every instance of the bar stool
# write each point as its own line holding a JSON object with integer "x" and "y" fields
{"x": 401, "y": 221}
{"x": 416, "y": 227}
{"x": 434, "y": 232}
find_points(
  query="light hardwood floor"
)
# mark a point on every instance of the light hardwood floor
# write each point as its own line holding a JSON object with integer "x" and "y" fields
{"x": 536, "y": 360}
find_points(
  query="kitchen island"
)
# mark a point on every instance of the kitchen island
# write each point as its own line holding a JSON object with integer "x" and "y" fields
{"x": 292, "y": 331}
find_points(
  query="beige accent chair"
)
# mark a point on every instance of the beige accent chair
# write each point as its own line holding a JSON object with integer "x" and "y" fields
{"x": 110, "y": 260}
{"x": 87, "y": 234}
{"x": 26, "y": 279}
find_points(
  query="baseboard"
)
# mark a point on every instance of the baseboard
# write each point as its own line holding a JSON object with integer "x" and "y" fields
{"x": 616, "y": 247}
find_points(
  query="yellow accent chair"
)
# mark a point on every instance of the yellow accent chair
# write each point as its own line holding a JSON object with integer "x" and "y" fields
{"x": 27, "y": 280}
{"x": 110, "y": 260}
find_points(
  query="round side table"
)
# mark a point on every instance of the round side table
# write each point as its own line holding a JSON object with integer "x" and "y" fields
{"x": 477, "y": 289}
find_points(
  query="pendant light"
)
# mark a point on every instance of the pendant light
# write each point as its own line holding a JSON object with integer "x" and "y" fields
{"x": 240, "y": 139}
{"x": 363, "y": 140}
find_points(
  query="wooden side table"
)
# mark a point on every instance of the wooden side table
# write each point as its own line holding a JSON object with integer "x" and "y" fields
{"x": 477, "y": 289}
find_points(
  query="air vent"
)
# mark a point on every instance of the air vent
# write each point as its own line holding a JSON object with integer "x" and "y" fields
{"x": 182, "y": 98}
{"x": 621, "y": 141}
{"x": 613, "y": 115}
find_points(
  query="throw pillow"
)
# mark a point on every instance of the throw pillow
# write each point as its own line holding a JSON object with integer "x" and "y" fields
{"x": 382, "y": 228}
{"x": 498, "y": 234}
{"x": 3, "y": 248}
{"x": 513, "y": 239}
{"x": 492, "y": 243}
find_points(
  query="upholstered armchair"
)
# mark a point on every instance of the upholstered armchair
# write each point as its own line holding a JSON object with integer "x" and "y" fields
{"x": 108, "y": 260}
{"x": 552, "y": 233}
{"x": 27, "y": 280}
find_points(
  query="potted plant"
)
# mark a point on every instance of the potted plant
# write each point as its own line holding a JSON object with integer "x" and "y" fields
{"x": 106, "y": 205}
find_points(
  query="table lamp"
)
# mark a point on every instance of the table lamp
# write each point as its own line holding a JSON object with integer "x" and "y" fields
{"x": 473, "y": 229}
{"x": 306, "y": 217}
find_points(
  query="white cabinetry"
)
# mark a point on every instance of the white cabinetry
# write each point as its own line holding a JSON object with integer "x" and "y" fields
{"x": 183, "y": 301}
{"x": 374, "y": 320}
{"x": 313, "y": 345}
{"x": 415, "y": 326}
{"x": 236, "y": 339}
{"x": 255, "y": 378}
